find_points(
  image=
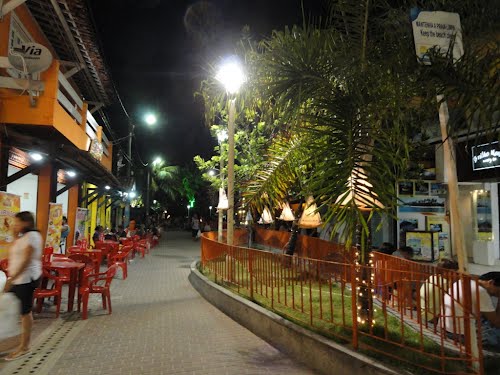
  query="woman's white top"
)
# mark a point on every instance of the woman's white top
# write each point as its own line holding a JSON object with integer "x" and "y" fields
{"x": 17, "y": 253}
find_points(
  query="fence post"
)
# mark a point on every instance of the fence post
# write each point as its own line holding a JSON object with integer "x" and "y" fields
{"x": 354, "y": 307}
{"x": 250, "y": 271}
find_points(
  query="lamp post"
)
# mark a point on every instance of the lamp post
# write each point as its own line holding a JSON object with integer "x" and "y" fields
{"x": 232, "y": 77}
{"x": 210, "y": 208}
{"x": 188, "y": 207}
{"x": 221, "y": 137}
{"x": 147, "y": 206}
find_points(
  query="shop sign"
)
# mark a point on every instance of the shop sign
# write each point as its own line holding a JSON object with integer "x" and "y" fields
{"x": 486, "y": 156}
{"x": 96, "y": 149}
{"x": 18, "y": 158}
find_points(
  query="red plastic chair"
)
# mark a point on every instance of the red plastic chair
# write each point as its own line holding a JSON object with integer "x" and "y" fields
{"x": 42, "y": 292}
{"x": 89, "y": 262}
{"x": 120, "y": 259}
{"x": 4, "y": 266}
{"x": 91, "y": 286}
{"x": 47, "y": 252}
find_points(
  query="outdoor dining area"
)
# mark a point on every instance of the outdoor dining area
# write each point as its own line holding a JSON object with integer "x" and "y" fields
{"x": 84, "y": 270}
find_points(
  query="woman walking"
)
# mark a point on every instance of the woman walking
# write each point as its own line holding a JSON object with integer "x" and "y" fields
{"x": 25, "y": 272}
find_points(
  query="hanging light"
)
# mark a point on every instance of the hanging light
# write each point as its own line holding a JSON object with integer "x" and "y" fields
{"x": 223, "y": 202}
{"x": 287, "y": 214}
{"x": 310, "y": 217}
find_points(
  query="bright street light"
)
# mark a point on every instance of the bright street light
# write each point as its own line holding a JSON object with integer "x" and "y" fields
{"x": 150, "y": 119}
{"x": 211, "y": 172}
{"x": 71, "y": 173}
{"x": 231, "y": 75}
{"x": 157, "y": 161}
{"x": 107, "y": 187}
{"x": 36, "y": 156}
{"x": 132, "y": 194}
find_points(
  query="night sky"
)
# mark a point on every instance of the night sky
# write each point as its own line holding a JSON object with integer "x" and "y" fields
{"x": 158, "y": 51}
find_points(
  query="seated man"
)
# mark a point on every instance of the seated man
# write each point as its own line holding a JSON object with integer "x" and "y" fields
{"x": 488, "y": 289}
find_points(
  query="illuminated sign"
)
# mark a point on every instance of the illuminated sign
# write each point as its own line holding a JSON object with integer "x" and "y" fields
{"x": 486, "y": 156}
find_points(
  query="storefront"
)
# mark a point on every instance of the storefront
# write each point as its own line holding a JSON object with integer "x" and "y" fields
{"x": 478, "y": 171}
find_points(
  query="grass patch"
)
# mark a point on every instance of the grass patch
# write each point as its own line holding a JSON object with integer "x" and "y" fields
{"x": 325, "y": 307}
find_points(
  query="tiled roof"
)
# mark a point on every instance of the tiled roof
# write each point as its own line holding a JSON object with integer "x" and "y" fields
{"x": 68, "y": 26}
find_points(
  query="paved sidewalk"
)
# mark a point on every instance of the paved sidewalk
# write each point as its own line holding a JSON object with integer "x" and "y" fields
{"x": 160, "y": 325}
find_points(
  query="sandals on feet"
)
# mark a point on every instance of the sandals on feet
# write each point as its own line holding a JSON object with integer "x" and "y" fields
{"x": 17, "y": 354}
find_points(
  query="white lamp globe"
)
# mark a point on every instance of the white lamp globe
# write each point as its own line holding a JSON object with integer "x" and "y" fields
{"x": 231, "y": 75}
{"x": 150, "y": 119}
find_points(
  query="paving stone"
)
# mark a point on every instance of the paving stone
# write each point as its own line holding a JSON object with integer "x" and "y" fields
{"x": 161, "y": 325}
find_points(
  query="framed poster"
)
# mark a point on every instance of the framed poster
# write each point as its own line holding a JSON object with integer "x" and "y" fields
{"x": 421, "y": 188}
{"x": 483, "y": 219}
{"x": 424, "y": 244}
{"x": 405, "y": 225}
{"x": 422, "y": 204}
{"x": 405, "y": 188}
{"x": 440, "y": 224}
{"x": 438, "y": 189}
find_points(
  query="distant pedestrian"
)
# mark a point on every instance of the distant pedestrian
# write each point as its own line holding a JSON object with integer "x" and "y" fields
{"x": 25, "y": 272}
{"x": 406, "y": 252}
{"x": 195, "y": 226}
{"x": 387, "y": 248}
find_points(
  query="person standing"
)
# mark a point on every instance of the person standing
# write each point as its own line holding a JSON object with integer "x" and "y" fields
{"x": 25, "y": 272}
{"x": 65, "y": 228}
{"x": 195, "y": 226}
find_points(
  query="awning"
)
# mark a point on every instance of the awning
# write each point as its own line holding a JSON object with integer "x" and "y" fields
{"x": 47, "y": 141}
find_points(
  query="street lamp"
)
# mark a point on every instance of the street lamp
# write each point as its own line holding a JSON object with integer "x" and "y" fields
{"x": 150, "y": 119}
{"x": 188, "y": 207}
{"x": 210, "y": 208}
{"x": 231, "y": 76}
{"x": 157, "y": 161}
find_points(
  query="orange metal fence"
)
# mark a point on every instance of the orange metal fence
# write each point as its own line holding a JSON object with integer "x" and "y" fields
{"x": 392, "y": 308}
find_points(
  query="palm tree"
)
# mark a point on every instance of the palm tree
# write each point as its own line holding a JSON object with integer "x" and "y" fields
{"x": 165, "y": 179}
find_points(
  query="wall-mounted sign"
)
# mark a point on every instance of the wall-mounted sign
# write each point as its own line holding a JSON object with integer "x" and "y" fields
{"x": 96, "y": 149}
{"x": 18, "y": 158}
{"x": 486, "y": 156}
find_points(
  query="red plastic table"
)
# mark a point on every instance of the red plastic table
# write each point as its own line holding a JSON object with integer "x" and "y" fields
{"x": 94, "y": 254}
{"x": 76, "y": 275}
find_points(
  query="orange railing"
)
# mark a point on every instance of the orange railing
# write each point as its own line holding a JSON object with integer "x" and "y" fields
{"x": 392, "y": 308}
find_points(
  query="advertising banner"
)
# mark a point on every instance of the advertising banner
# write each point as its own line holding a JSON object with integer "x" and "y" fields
{"x": 10, "y": 205}
{"x": 54, "y": 228}
{"x": 80, "y": 223}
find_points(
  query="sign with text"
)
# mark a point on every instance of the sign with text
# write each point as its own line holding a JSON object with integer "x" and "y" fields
{"x": 80, "y": 223}
{"x": 96, "y": 149}
{"x": 439, "y": 30}
{"x": 10, "y": 205}
{"x": 486, "y": 156}
{"x": 54, "y": 228}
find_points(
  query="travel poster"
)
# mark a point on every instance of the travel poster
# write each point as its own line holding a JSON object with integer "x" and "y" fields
{"x": 440, "y": 224}
{"x": 10, "y": 205}
{"x": 80, "y": 220}
{"x": 54, "y": 228}
{"x": 405, "y": 225}
{"x": 405, "y": 188}
{"x": 424, "y": 245}
{"x": 484, "y": 227}
{"x": 421, "y": 204}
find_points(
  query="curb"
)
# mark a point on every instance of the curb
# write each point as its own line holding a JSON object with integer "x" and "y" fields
{"x": 302, "y": 345}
